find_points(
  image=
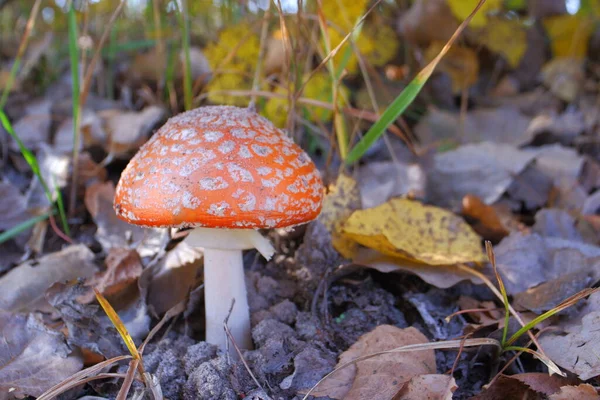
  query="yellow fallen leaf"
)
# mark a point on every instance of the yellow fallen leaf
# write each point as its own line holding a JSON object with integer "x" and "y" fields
{"x": 506, "y": 37}
{"x": 460, "y": 63}
{"x": 569, "y": 35}
{"x": 462, "y": 8}
{"x": 409, "y": 229}
{"x": 341, "y": 201}
{"x": 564, "y": 76}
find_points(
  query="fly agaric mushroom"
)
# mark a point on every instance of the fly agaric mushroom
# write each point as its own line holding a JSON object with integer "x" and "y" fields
{"x": 226, "y": 172}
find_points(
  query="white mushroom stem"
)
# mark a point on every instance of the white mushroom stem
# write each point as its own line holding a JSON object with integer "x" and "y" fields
{"x": 224, "y": 281}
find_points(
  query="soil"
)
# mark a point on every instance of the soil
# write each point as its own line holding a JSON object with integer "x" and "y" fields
{"x": 304, "y": 315}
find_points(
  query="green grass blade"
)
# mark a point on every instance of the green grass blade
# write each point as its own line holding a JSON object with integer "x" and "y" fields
{"x": 391, "y": 113}
{"x": 10, "y": 82}
{"x": 405, "y": 98}
{"x": 562, "y": 306}
{"x": 27, "y": 154}
{"x": 35, "y": 167}
{"x": 75, "y": 93}
{"x": 14, "y": 231}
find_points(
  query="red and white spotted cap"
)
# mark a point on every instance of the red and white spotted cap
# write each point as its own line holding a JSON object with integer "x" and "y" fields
{"x": 219, "y": 167}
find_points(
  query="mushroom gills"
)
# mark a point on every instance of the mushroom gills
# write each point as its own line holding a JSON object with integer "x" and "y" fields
{"x": 230, "y": 239}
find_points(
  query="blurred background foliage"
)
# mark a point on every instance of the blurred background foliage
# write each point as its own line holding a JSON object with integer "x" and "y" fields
{"x": 243, "y": 51}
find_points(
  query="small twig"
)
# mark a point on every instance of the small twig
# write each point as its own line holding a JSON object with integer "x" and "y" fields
{"x": 79, "y": 377}
{"x": 58, "y": 232}
{"x": 237, "y": 349}
{"x": 336, "y": 49}
{"x": 87, "y": 80}
{"x": 124, "y": 391}
{"x": 173, "y": 311}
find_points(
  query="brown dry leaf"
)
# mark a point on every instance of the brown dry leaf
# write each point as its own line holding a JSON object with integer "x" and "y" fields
{"x": 123, "y": 268}
{"x": 564, "y": 77}
{"x": 89, "y": 171}
{"x": 343, "y": 199}
{"x": 169, "y": 281}
{"x": 543, "y": 383}
{"x": 32, "y": 357}
{"x": 460, "y": 63}
{"x": 380, "y": 377}
{"x": 128, "y": 130}
{"x": 409, "y": 229}
{"x": 493, "y": 315}
{"x": 528, "y": 385}
{"x": 442, "y": 277}
{"x": 428, "y": 387}
{"x": 580, "y": 392}
{"x": 487, "y": 224}
{"x": 23, "y": 287}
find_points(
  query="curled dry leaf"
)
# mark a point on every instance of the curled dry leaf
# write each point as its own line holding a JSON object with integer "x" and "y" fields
{"x": 408, "y": 229}
{"x": 343, "y": 198}
{"x": 429, "y": 386}
{"x": 487, "y": 223}
{"x": 580, "y": 392}
{"x": 442, "y": 277}
{"x": 128, "y": 130}
{"x": 169, "y": 281}
{"x": 23, "y": 287}
{"x": 383, "y": 376}
{"x": 123, "y": 268}
{"x": 32, "y": 357}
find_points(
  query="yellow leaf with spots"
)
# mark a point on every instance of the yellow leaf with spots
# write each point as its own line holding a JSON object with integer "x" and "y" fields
{"x": 569, "y": 35}
{"x": 462, "y": 8}
{"x": 408, "y": 229}
{"x": 341, "y": 201}
{"x": 507, "y": 37}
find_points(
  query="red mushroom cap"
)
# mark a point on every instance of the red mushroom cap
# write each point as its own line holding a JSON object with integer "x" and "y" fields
{"x": 221, "y": 167}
